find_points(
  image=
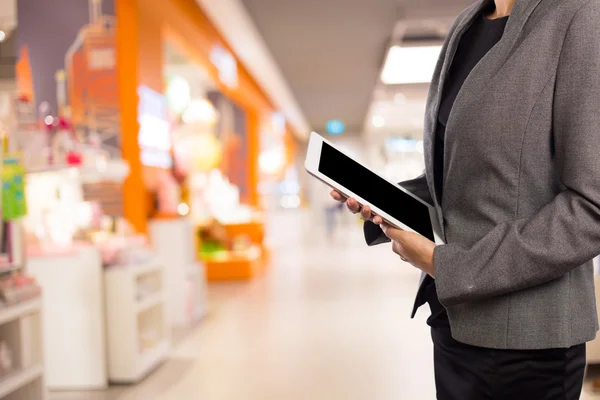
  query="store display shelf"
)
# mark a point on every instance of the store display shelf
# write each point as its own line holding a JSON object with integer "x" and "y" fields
{"x": 18, "y": 379}
{"x": 149, "y": 302}
{"x": 73, "y": 312}
{"x": 10, "y": 313}
{"x": 150, "y": 358}
{"x": 135, "y": 315}
{"x": 138, "y": 269}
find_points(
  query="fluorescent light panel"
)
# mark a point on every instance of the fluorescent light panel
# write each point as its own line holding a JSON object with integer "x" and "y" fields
{"x": 405, "y": 65}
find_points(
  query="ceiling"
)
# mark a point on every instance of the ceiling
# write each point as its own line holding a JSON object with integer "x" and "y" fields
{"x": 331, "y": 53}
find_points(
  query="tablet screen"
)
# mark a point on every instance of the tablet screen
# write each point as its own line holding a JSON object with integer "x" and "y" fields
{"x": 375, "y": 190}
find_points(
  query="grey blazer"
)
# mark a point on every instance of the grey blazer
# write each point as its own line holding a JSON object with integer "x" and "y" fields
{"x": 521, "y": 201}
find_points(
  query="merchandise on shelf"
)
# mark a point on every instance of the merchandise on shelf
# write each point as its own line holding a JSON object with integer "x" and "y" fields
{"x": 13, "y": 187}
{"x": 17, "y": 288}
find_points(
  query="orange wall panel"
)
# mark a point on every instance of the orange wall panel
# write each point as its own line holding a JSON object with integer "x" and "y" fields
{"x": 135, "y": 203}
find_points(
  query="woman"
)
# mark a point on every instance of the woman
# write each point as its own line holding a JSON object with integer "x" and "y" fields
{"x": 512, "y": 144}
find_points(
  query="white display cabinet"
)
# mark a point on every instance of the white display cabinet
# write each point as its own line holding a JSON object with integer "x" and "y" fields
{"x": 20, "y": 328}
{"x": 137, "y": 326}
{"x": 185, "y": 281}
{"x": 73, "y": 318}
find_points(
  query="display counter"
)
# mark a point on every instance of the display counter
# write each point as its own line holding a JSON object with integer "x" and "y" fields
{"x": 228, "y": 266}
{"x": 73, "y": 317}
{"x": 238, "y": 253}
{"x": 185, "y": 282}
{"x": 136, "y": 321}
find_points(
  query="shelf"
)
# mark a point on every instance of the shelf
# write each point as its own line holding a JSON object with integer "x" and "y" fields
{"x": 24, "y": 309}
{"x": 137, "y": 269}
{"x": 149, "y": 302}
{"x": 16, "y": 380}
{"x": 10, "y": 269}
{"x": 152, "y": 357}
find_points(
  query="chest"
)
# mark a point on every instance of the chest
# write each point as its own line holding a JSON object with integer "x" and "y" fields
{"x": 497, "y": 98}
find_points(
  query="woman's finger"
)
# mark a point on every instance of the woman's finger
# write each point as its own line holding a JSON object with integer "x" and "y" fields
{"x": 377, "y": 220}
{"x": 390, "y": 231}
{"x": 337, "y": 196}
{"x": 365, "y": 213}
{"x": 353, "y": 206}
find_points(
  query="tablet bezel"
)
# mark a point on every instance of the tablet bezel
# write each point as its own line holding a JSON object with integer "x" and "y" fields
{"x": 311, "y": 164}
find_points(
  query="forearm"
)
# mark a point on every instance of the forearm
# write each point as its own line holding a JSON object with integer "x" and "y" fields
{"x": 520, "y": 254}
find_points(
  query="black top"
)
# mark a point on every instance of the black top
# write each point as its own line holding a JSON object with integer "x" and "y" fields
{"x": 475, "y": 43}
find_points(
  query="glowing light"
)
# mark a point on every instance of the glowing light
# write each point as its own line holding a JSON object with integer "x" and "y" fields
{"x": 178, "y": 94}
{"x": 271, "y": 161}
{"x": 378, "y": 121}
{"x": 2, "y": 36}
{"x": 48, "y": 120}
{"x": 200, "y": 111}
{"x": 405, "y": 65}
{"x": 335, "y": 127}
{"x": 288, "y": 202}
{"x": 183, "y": 209}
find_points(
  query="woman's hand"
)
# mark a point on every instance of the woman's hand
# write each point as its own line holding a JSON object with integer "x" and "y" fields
{"x": 355, "y": 208}
{"x": 411, "y": 247}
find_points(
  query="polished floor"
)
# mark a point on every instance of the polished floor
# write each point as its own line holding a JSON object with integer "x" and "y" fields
{"x": 329, "y": 321}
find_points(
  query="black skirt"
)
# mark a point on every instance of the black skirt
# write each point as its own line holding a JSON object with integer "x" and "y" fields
{"x": 464, "y": 372}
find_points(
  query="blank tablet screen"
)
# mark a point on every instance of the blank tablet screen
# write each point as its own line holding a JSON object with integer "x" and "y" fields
{"x": 375, "y": 190}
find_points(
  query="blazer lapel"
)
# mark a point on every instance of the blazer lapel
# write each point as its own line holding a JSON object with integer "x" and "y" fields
{"x": 490, "y": 64}
{"x": 435, "y": 95}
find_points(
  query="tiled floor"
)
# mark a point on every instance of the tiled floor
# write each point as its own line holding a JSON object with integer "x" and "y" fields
{"x": 329, "y": 321}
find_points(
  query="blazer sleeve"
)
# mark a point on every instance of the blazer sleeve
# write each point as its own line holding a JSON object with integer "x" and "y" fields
{"x": 564, "y": 234}
{"x": 418, "y": 186}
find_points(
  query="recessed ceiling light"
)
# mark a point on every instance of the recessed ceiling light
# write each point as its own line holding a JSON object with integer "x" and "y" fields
{"x": 378, "y": 121}
{"x": 405, "y": 65}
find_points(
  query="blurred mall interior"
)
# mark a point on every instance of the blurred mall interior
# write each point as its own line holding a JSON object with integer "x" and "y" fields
{"x": 161, "y": 238}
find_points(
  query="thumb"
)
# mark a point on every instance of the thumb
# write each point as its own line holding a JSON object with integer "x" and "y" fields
{"x": 390, "y": 231}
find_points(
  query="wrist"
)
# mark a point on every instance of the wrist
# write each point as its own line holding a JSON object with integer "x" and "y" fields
{"x": 430, "y": 264}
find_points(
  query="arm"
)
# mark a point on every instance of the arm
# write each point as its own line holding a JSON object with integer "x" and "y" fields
{"x": 565, "y": 233}
{"x": 418, "y": 186}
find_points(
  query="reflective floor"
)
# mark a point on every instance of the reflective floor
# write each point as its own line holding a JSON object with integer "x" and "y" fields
{"x": 328, "y": 321}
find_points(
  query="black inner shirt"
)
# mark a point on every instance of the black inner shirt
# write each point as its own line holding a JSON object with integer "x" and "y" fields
{"x": 476, "y": 42}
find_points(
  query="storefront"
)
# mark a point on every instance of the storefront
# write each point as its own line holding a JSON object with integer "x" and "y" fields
{"x": 139, "y": 133}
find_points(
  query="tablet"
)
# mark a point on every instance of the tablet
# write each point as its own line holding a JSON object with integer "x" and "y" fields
{"x": 394, "y": 204}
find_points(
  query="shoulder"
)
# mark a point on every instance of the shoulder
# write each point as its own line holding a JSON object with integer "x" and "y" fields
{"x": 569, "y": 12}
{"x": 584, "y": 23}
{"x": 564, "y": 22}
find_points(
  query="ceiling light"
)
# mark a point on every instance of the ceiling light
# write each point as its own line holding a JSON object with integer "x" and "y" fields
{"x": 2, "y": 36}
{"x": 405, "y": 65}
{"x": 378, "y": 121}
